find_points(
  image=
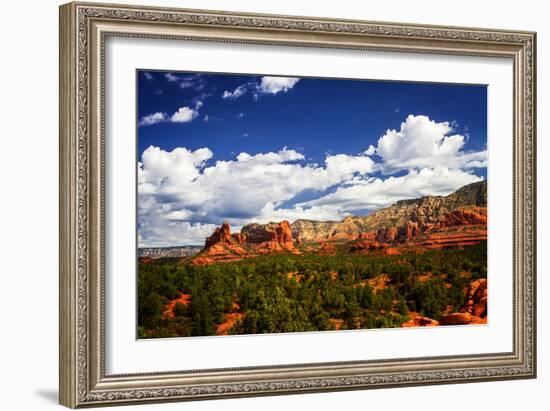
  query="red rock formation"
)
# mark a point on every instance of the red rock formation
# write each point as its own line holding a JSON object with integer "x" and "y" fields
{"x": 222, "y": 246}
{"x": 221, "y": 235}
{"x": 371, "y": 235}
{"x": 475, "y": 308}
{"x": 408, "y": 232}
{"x": 370, "y": 245}
{"x": 145, "y": 260}
{"x": 465, "y": 216}
{"x": 461, "y": 319}
{"x": 476, "y": 296}
{"x": 268, "y": 238}
{"x": 284, "y": 235}
{"x": 464, "y": 226}
{"x": 327, "y": 249}
{"x": 403, "y": 234}
{"x": 221, "y": 253}
{"x": 420, "y": 321}
{"x": 387, "y": 235}
{"x": 363, "y": 246}
{"x": 238, "y": 238}
{"x": 444, "y": 239}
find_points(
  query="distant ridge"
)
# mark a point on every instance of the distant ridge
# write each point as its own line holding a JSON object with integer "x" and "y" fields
{"x": 422, "y": 211}
{"x": 169, "y": 252}
{"x": 401, "y": 221}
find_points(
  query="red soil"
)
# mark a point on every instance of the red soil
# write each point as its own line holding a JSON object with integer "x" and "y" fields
{"x": 417, "y": 320}
{"x": 337, "y": 322}
{"x": 296, "y": 275}
{"x": 168, "y": 312}
{"x": 230, "y": 320}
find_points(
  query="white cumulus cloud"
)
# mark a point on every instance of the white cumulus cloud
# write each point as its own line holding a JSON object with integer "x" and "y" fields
{"x": 422, "y": 142}
{"x": 184, "y": 194}
{"x": 184, "y": 114}
{"x": 162, "y": 232}
{"x": 153, "y": 118}
{"x": 171, "y": 77}
{"x": 182, "y": 185}
{"x": 274, "y": 85}
{"x": 238, "y": 92}
{"x": 266, "y": 85}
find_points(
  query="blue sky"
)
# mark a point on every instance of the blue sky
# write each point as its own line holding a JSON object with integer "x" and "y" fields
{"x": 263, "y": 148}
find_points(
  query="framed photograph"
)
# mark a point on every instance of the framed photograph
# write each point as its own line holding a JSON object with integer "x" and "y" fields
{"x": 259, "y": 204}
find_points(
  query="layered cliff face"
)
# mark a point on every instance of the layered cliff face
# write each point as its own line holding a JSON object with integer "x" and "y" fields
{"x": 311, "y": 230}
{"x": 464, "y": 216}
{"x": 401, "y": 221}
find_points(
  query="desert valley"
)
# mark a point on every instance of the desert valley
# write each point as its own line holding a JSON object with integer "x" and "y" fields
{"x": 419, "y": 262}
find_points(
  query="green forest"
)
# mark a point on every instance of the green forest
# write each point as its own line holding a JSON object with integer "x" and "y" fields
{"x": 288, "y": 293}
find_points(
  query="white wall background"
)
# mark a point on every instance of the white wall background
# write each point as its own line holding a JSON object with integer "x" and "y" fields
{"x": 29, "y": 187}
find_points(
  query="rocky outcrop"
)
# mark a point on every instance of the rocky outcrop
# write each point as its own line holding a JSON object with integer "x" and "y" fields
{"x": 284, "y": 234}
{"x": 461, "y": 319}
{"x": 254, "y": 239}
{"x": 349, "y": 228}
{"x": 221, "y": 253}
{"x": 223, "y": 235}
{"x": 386, "y": 235}
{"x": 311, "y": 230}
{"x": 269, "y": 237}
{"x": 220, "y": 235}
{"x": 404, "y": 233}
{"x": 420, "y": 321}
{"x": 238, "y": 238}
{"x": 371, "y": 235}
{"x": 362, "y": 246}
{"x": 476, "y": 298}
{"x": 475, "y": 307}
{"x": 474, "y": 310}
{"x": 391, "y": 251}
{"x": 408, "y": 231}
{"x": 258, "y": 233}
{"x": 327, "y": 249}
{"x": 222, "y": 246}
{"x": 465, "y": 216}
{"x": 445, "y": 239}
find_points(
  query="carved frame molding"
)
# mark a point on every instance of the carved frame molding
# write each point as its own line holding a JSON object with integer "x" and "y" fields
{"x": 84, "y": 27}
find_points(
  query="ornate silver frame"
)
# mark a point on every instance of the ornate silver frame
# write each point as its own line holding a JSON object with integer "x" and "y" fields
{"x": 83, "y": 30}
